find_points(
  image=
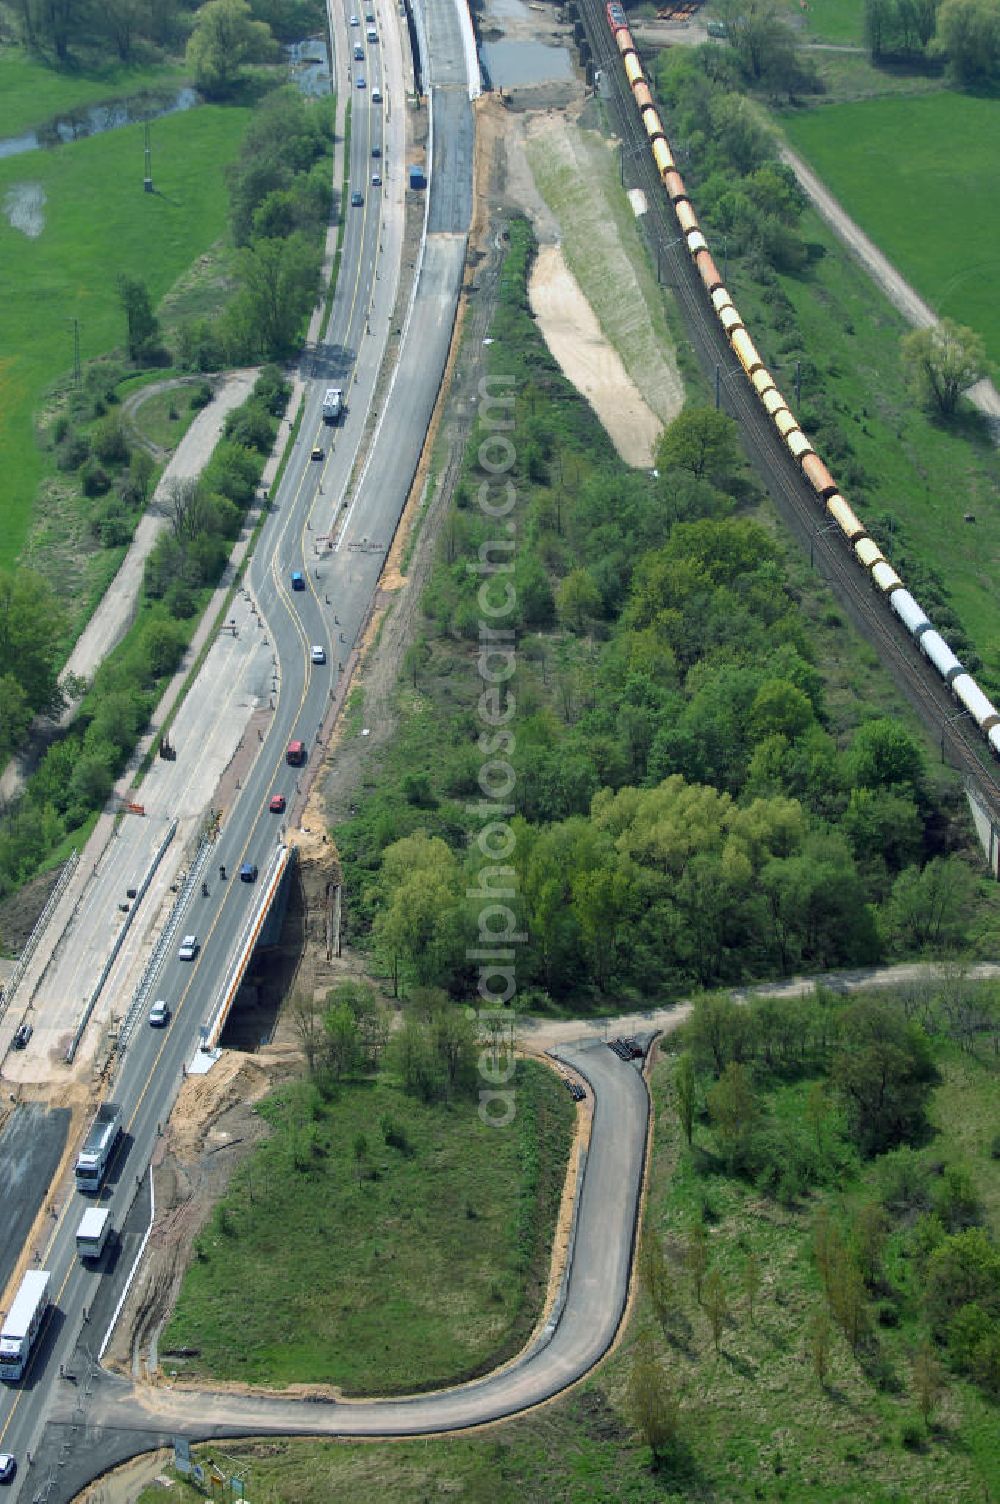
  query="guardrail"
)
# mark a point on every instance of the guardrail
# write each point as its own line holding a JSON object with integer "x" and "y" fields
{"x": 246, "y": 945}
{"x": 41, "y": 924}
{"x": 141, "y": 994}
{"x": 119, "y": 941}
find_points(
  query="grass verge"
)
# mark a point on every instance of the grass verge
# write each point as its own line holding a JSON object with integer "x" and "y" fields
{"x": 401, "y": 1268}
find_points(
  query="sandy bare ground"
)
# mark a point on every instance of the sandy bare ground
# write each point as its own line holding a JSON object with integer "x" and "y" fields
{"x": 901, "y": 295}
{"x": 585, "y": 357}
{"x": 568, "y": 168}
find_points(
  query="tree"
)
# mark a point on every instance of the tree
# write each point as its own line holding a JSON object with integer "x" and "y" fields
{"x": 932, "y": 907}
{"x": 751, "y": 1280}
{"x": 279, "y": 280}
{"x": 944, "y": 361}
{"x": 578, "y": 600}
{"x": 685, "y": 1094}
{"x": 225, "y": 36}
{"x": 308, "y": 1028}
{"x": 963, "y": 1270}
{"x": 733, "y": 1110}
{"x": 715, "y": 1304}
{"x": 696, "y": 1257}
{"x": 703, "y": 442}
{"x": 15, "y": 715}
{"x": 416, "y": 658}
{"x": 418, "y": 1065}
{"x": 188, "y": 506}
{"x": 142, "y": 327}
{"x": 756, "y": 30}
{"x": 31, "y": 624}
{"x": 163, "y": 643}
{"x": 719, "y": 1030}
{"x": 870, "y": 1229}
{"x": 419, "y": 921}
{"x": 928, "y": 1380}
{"x": 360, "y": 1154}
{"x": 342, "y": 1050}
{"x": 819, "y": 1345}
{"x": 884, "y": 1074}
{"x": 883, "y": 755}
{"x": 122, "y": 20}
{"x": 846, "y": 1295}
{"x": 649, "y": 1400}
{"x": 455, "y": 1040}
{"x": 969, "y": 35}
{"x": 654, "y": 1274}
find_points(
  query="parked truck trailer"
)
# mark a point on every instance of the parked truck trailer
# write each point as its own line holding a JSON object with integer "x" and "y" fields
{"x": 99, "y": 1147}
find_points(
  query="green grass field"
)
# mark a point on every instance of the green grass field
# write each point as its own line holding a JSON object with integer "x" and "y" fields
{"x": 98, "y": 222}
{"x": 754, "y": 1420}
{"x": 919, "y": 175}
{"x": 432, "y": 1270}
{"x": 837, "y": 21}
{"x": 32, "y": 93}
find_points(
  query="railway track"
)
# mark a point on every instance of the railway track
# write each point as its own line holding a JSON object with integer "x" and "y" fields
{"x": 793, "y": 497}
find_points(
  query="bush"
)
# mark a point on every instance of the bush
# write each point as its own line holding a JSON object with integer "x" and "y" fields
{"x": 109, "y": 442}
{"x": 72, "y": 451}
{"x": 911, "y": 1436}
{"x": 94, "y": 479}
{"x": 201, "y": 396}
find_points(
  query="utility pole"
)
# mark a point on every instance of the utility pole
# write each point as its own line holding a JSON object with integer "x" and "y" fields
{"x": 148, "y": 178}
{"x": 76, "y": 351}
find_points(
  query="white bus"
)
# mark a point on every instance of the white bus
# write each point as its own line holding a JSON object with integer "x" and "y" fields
{"x": 23, "y": 1322}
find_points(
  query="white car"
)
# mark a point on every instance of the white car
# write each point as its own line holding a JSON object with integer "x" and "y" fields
{"x": 317, "y": 653}
{"x": 189, "y": 948}
{"x": 159, "y": 1014}
{"x": 355, "y": 21}
{"x": 8, "y": 1466}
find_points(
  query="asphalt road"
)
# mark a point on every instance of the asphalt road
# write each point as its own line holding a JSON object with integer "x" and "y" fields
{"x": 120, "y": 1420}
{"x": 333, "y": 521}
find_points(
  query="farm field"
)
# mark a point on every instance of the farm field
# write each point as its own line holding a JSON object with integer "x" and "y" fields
{"x": 96, "y": 223}
{"x": 919, "y": 176}
{"x": 420, "y": 1259}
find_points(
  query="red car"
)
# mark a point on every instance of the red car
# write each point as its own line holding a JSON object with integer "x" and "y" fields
{"x": 277, "y": 804}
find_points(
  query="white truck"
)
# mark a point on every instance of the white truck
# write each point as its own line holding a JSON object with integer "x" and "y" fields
{"x": 24, "y": 1319}
{"x": 99, "y": 1147}
{"x": 93, "y": 1232}
{"x": 333, "y": 404}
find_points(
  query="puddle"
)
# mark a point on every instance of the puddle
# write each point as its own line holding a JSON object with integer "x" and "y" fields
{"x": 98, "y": 118}
{"x": 309, "y": 65}
{"x": 512, "y": 65}
{"x": 24, "y": 206}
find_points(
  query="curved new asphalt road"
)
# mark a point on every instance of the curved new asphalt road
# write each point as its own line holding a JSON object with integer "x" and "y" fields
{"x": 124, "y": 1419}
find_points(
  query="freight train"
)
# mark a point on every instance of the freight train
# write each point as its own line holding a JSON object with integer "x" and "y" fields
{"x": 867, "y": 552}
